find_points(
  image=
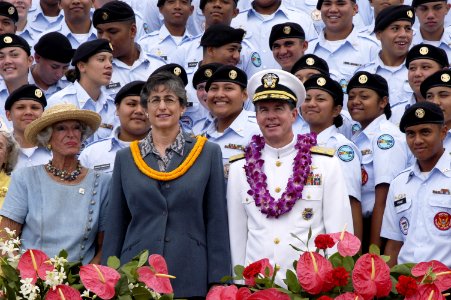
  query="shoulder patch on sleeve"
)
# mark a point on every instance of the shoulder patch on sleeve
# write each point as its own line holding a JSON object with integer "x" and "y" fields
{"x": 322, "y": 151}
{"x": 237, "y": 157}
{"x": 385, "y": 141}
{"x": 345, "y": 153}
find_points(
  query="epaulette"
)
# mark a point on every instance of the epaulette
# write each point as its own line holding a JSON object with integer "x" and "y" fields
{"x": 323, "y": 151}
{"x": 237, "y": 157}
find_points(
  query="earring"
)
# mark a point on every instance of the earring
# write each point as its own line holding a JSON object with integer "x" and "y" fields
{"x": 49, "y": 147}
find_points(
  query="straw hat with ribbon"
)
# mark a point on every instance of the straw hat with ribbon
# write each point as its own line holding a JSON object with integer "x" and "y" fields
{"x": 59, "y": 113}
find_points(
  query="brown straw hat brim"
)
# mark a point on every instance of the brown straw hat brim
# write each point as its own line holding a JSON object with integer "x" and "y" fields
{"x": 59, "y": 113}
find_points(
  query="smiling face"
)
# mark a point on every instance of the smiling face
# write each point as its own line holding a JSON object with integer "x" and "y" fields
{"x": 288, "y": 51}
{"x": 337, "y": 15}
{"x": 319, "y": 110}
{"x": 23, "y": 112}
{"x": 365, "y": 105}
{"x": 164, "y": 109}
{"x": 22, "y": 7}
{"x": 14, "y": 63}
{"x": 132, "y": 116}
{"x": 98, "y": 69}
{"x": 219, "y": 12}
{"x": 225, "y": 100}
{"x": 419, "y": 70}
{"x": 228, "y": 54}
{"x": 76, "y": 11}
{"x": 441, "y": 95}
{"x": 66, "y": 138}
{"x": 396, "y": 38}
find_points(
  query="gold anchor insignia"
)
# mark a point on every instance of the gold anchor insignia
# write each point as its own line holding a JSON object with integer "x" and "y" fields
{"x": 287, "y": 29}
{"x": 233, "y": 74}
{"x": 208, "y": 73}
{"x": 177, "y": 71}
{"x": 105, "y": 16}
{"x": 410, "y": 14}
{"x": 445, "y": 77}
{"x": 424, "y": 50}
{"x": 420, "y": 113}
{"x": 111, "y": 46}
{"x": 11, "y": 10}
{"x": 38, "y": 93}
{"x": 321, "y": 81}
{"x": 7, "y": 39}
{"x": 310, "y": 61}
{"x": 363, "y": 79}
{"x": 270, "y": 80}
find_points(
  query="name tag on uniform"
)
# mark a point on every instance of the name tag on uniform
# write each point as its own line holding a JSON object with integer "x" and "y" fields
{"x": 102, "y": 167}
{"x": 113, "y": 85}
{"x": 352, "y": 64}
{"x": 441, "y": 192}
{"x": 192, "y": 64}
{"x": 105, "y": 125}
{"x": 400, "y": 202}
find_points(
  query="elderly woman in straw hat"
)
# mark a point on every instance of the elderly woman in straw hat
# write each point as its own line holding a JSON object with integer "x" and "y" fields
{"x": 59, "y": 205}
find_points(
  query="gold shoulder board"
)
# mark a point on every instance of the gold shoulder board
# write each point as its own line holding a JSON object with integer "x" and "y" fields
{"x": 237, "y": 157}
{"x": 322, "y": 151}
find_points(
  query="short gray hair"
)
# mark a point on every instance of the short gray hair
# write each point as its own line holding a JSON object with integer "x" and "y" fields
{"x": 12, "y": 152}
{"x": 169, "y": 81}
{"x": 44, "y": 136}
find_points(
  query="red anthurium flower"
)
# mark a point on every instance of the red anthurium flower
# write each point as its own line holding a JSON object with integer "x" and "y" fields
{"x": 101, "y": 280}
{"x": 371, "y": 277}
{"x": 324, "y": 241}
{"x": 313, "y": 271}
{"x": 156, "y": 276}
{"x": 221, "y": 292}
{"x": 339, "y": 276}
{"x": 348, "y": 244}
{"x": 243, "y": 293}
{"x": 349, "y": 296}
{"x": 269, "y": 294}
{"x": 437, "y": 272}
{"x": 63, "y": 292}
{"x": 427, "y": 292}
{"x": 34, "y": 263}
{"x": 256, "y": 268}
{"x": 406, "y": 286}
{"x": 325, "y": 298}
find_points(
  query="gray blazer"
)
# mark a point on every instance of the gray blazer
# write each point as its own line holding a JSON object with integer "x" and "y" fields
{"x": 185, "y": 219}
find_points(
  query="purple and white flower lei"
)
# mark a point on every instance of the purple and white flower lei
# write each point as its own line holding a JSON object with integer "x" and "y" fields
{"x": 256, "y": 177}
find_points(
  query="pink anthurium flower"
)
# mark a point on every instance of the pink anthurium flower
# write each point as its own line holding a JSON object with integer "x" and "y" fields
{"x": 435, "y": 272}
{"x": 156, "y": 276}
{"x": 427, "y": 292}
{"x": 243, "y": 293}
{"x": 101, "y": 280}
{"x": 349, "y": 296}
{"x": 269, "y": 294}
{"x": 221, "y": 292}
{"x": 371, "y": 277}
{"x": 34, "y": 263}
{"x": 63, "y": 292}
{"x": 348, "y": 244}
{"x": 313, "y": 272}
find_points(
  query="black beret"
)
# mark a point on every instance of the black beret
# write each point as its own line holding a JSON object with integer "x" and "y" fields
{"x": 228, "y": 74}
{"x": 327, "y": 84}
{"x": 88, "y": 49}
{"x": 204, "y": 72}
{"x": 285, "y": 31}
{"x": 426, "y": 51}
{"x": 311, "y": 61}
{"x": 423, "y": 112}
{"x": 204, "y": 2}
{"x": 8, "y": 10}
{"x": 175, "y": 69}
{"x": 416, "y": 3}
{"x": 26, "y": 92}
{"x": 370, "y": 81}
{"x": 320, "y": 3}
{"x": 12, "y": 40}
{"x": 392, "y": 14}
{"x": 440, "y": 78}
{"x": 219, "y": 35}
{"x": 130, "y": 89}
{"x": 55, "y": 46}
{"x": 115, "y": 11}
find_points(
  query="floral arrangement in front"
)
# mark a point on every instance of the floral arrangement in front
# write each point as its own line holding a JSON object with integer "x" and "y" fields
{"x": 33, "y": 275}
{"x": 345, "y": 275}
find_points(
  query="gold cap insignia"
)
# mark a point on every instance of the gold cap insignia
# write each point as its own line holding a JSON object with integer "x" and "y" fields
{"x": 270, "y": 80}
{"x": 11, "y": 10}
{"x": 287, "y": 29}
{"x": 363, "y": 79}
{"x": 8, "y": 39}
{"x": 419, "y": 113}
{"x": 445, "y": 77}
{"x": 233, "y": 74}
{"x": 177, "y": 71}
{"x": 424, "y": 50}
{"x": 38, "y": 93}
{"x": 321, "y": 81}
{"x": 208, "y": 73}
{"x": 111, "y": 46}
{"x": 310, "y": 61}
{"x": 410, "y": 14}
{"x": 105, "y": 16}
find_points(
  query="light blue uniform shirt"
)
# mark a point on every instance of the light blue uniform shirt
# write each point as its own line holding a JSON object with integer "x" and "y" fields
{"x": 398, "y": 111}
{"x": 398, "y": 84}
{"x": 258, "y": 29}
{"x": 4, "y": 93}
{"x": 161, "y": 43}
{"x": 75, "y": 94}
{"x": 58, "y": 216}
{"x": 29, "y": 34}
{"x": 447, "y": 142}
{"x": 34, "y": 156}
{"x": 348, "y": 155}
{"x": 444, "y": 43}
{"x": 384, "y": 154}
{"x": 140, "y": 70}
{"x": 64, "y": 30}
{"x": 58, "y": 86}
{"x": 39, "y": 22}
{"x": 418, "y": 213}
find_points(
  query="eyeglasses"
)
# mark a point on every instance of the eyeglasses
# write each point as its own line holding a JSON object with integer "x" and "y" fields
{"x": 168, "y": 102}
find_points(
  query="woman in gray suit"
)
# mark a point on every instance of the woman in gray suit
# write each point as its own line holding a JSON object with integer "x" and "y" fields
{"x": 168, "y": 196}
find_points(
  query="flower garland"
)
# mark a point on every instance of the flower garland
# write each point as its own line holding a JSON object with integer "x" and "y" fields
{"x": 174, "y": 174}
{"x": 256, "y": 177}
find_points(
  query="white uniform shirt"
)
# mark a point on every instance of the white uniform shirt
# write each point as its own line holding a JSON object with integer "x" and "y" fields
{"x": 398, "y": 110}
{"x": 418, "y": 213}
{"x": 58, "y": 86}
{"x": 39, "y": 22}
{"x": 444, "y": 43}
{"x": 384, "y": 154}
{"x": 64, "y": 30}
{"x": 324, "y": 208}
{"x": 447, "y": 141}
{"x": 34, "y": 156}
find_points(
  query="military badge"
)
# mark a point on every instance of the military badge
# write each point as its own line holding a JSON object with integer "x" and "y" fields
{"x": 404, "y": 225}
{"x": 321, "y": 81}
{"x": 38, "y": 93}
{"x": 256, "y": 59}
{"x": 105, "y": 16}
{"x": 424, "y": 50}
{"x": 177, "y": 71}
{"x": 310, "y": 61}
{"x": 410, "y": 14}
{"x": 345, "y": 153}
{"x": 270, "y": 80}
{"x": 307, "y": 214}
{"x": 11, "y": 10}
{"x": 233, "y": 74}
{"x": 363, "y": 79}
{"x": 442, "y": 221}
{"x": 419, "y": 113}
{"x": 7, "y": 40}
{"x": 364, "y": 176}
{"x": 208, "y": 73}
{"x": 385, "y": 141}
{"x": 444, "y": 77}
{"x": 287, "y": 29}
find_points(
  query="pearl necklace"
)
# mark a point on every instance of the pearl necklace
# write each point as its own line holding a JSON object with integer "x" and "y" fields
{"x": 63, "y": 174}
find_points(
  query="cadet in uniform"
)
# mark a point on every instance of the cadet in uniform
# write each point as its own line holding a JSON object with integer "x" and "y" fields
{"x": 44, "y": 15}
{"x": 116, "y": 22}
{"x": 262, "y": 227}
{"x": 417, "y": 218}
{"x": 380, "y": 143}
{"x": 134, "y": 125}
{"x": 8, "y": 18}
{"x": 321, "y": 110}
